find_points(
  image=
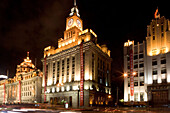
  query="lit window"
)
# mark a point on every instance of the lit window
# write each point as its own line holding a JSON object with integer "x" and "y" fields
{"x": 100, "y": 81}
{"x": 163, "y": 71}
{"x": 154, "y": 72}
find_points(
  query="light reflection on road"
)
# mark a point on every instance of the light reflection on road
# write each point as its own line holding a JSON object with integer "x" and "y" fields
{"x": 32, "y": 110}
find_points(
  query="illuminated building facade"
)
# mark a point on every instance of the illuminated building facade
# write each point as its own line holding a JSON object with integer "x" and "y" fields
{"x": 139, "y": 68}
{"x": 61, "y": 67}
{"x": 25, "y": 87}
{"x": 151, "y": 63}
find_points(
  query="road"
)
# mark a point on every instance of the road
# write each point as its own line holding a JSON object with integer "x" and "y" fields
{"x": 108, "y": 110}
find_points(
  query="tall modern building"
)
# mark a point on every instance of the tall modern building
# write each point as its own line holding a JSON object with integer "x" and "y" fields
{"x": 25, "y": 87}
{"x": 151, "y": 60}
{"x": 139, "y": 69}
{"x": 77, "y": 55}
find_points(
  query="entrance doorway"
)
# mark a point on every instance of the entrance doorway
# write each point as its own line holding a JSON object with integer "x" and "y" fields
{"x": 51, "y": 100}
{"x": 160, "y": 98}
{"x": 70, "y": 100}
{"x": 55, "y": 100}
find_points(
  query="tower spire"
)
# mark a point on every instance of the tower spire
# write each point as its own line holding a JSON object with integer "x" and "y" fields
{"x": 74, "y": 10}
{"x": 157, "y": 14}
{"x": 74, "y": 2}
{"x": 27, "y": 55}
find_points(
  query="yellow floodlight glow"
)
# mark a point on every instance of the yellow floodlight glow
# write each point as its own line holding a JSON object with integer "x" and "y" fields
{"x": 93, "y": 33}
{"x": 128, "y": 43}
{"x": 83, "y": 32}
{"x": 47, "y": 48}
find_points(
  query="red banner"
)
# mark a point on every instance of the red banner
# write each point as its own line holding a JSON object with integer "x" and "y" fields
{"x": 45, "y": 79}
{"x": 81, "y": 76}
{"x": 131, "y": 73}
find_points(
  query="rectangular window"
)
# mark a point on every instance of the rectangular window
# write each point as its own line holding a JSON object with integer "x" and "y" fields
{"x": 154, "y": 81}
{"x": 68, "y": 63}
{"x": 163, "y": 71}
{"x": 154, "y": 63}
{"x": 141, "y": 73}
{"x": 62, "y": 67}
{"x": 135, "y": 83}
{"x": 62, "y": 72}
{"x": 141, "y": 83}
{"x": 154, "y": 72}
{"x": 141, "y": 65}
{"x": 162, "y": 34}
{"x": 142, "y": 96}
{"x": 128, "y": 58}
{"x": 164, "y": 80}
{"x": 163, "y": 61}
{"x": 70, "y": 88}
{"x": 93, "y": 62}
{"x": 135, "y": 57}
{"x": 140, "y": 55}
{"x": 128, "y": 97}
{"x": 136, "y": 97}
{"x": 53, "y": 70}
{"x": 128, "y": 67}
{"x": 162, "y": 27}
{"x": 100, "y": 81}
{"x": 58, "y": 71}
{"x": 73, "y": 67}
{"x": 135, "y": 66}
{"x": 136, "y": 74}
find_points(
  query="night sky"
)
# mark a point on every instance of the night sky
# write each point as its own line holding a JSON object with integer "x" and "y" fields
{"x": 32, "y": 25}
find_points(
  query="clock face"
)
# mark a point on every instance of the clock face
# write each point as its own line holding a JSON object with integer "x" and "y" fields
{"x": 70, "y": 22}
{"x": 78, "y": 23}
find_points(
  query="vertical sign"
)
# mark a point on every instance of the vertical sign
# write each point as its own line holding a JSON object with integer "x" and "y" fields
{"x": 45, "y": 79}
{"x": 19, "y": 91}
{"x": 131, "y": 73}
{"x": 81, "y": 76}
{"x": 4, "y": 93}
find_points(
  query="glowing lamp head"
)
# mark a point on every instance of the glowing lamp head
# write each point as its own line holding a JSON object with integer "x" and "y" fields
{"x": 109, "y": 96}
{"x": 125, "y": 74}
{"x": 134, "y": 73}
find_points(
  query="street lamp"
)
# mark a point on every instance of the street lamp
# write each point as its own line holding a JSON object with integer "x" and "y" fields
{"x": 134, "y": 73}
{"x": 125, "y": 74}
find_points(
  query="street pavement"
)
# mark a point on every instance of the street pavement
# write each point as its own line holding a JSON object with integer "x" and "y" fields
{"x": 95, "y": 110}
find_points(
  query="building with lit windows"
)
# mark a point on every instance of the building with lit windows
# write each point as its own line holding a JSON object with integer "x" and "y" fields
{"x": 139, "y": 56}
{"x": 25, "y": 87}
{"x": 61, "y": 67}
{"x": 151, "y": 60}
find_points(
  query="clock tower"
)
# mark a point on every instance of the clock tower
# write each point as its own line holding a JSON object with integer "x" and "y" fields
{"x": 74, "y": 23}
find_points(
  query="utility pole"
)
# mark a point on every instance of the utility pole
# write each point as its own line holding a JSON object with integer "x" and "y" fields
{"x": 117, "y": 96}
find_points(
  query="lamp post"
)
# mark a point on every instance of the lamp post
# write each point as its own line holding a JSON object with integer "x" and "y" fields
{"x": 132, "y": 76}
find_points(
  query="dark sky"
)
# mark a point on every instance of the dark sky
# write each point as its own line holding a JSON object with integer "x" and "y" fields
{"x": 31, "y": 25}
